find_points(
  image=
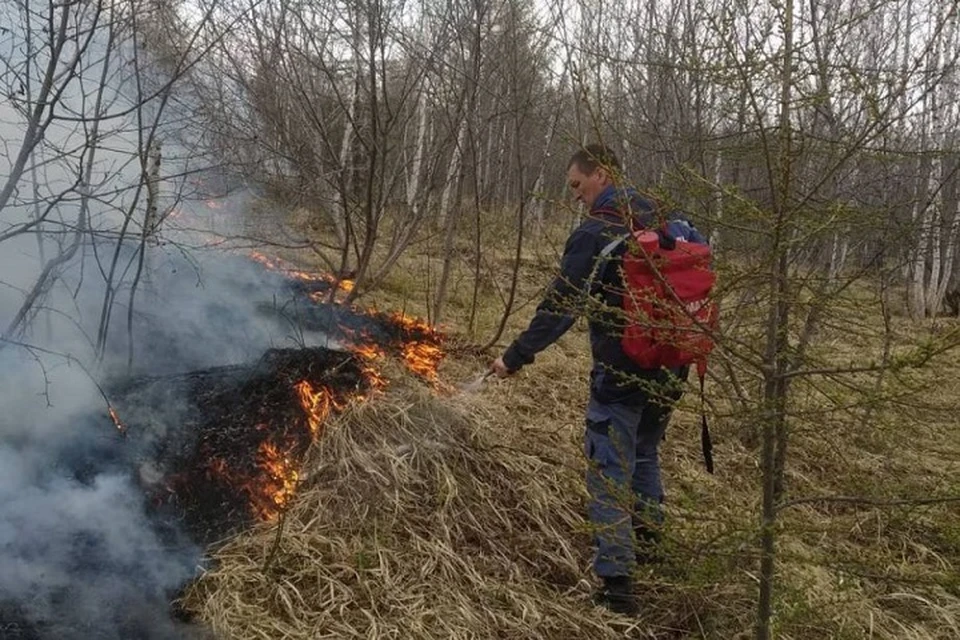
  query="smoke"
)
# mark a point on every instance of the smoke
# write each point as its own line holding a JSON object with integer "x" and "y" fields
{"x": 79, "y": 556}
{"x": 82, "y": 555}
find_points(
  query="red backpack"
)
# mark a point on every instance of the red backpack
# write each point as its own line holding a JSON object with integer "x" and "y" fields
{"x": 670, "y": 316}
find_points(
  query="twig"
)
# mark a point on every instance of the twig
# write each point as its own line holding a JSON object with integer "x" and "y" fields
{"x": 276, "y": 541}
{"x": 870, "y": 502}
{"x": 33, "y": 350}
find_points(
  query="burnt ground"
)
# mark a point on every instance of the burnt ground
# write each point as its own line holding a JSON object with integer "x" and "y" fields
{"x": 198, "y": 434}
{"x": 206, "y": 393}
{"x": 191, "y": 445}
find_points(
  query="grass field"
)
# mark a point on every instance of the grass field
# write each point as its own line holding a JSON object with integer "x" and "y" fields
{"x": 442, "y": 513}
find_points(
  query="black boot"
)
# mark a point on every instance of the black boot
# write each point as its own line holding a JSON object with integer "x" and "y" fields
{"x": 616, "y": 594}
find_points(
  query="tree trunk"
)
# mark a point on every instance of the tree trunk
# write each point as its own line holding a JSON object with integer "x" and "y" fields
{"x": 451, "y": 184}
{"x": 777, "y": 339}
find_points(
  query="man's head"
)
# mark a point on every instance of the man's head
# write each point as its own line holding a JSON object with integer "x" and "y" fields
{"x": 591, "y": 170}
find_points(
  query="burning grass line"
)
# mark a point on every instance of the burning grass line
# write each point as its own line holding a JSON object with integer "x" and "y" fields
{"x": 245, "y": 433}
{"x": 416, "y": 342}
{"x": 420, "y": 537}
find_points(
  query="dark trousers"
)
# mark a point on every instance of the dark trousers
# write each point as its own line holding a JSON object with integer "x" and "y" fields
{"x": 623, "y": 473}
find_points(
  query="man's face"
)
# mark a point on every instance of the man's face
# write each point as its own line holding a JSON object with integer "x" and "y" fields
{"x": 586, "y": 187}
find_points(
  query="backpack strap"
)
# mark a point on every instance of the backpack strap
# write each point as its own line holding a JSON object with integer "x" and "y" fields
{"x": 609, "y": 248}
{"x": 667, "y": 242}
{"x": 706, "y": 444}
{"x": 612, "y": 245}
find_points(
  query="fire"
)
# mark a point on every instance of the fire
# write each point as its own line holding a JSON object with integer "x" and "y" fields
{"x": 317, "y": 404}
{"x": 276, "y": 264}
{"x": 422, "y": 356}
{"x": 273, "y": 480}
{"x": 370, "y": 353}
{"x": 280, "y": 484}
{"x": 423, "y": 359}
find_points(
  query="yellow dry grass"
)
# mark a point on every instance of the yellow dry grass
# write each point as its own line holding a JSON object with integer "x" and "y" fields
{"x": 460, "y": 515}
{"x": 416, "y": 522}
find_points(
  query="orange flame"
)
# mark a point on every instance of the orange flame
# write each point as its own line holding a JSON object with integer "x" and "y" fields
{"x": 317, "y": 404}
{"x": 272, "y": 489}
{"x": 276, "y": 264}
{"x": 281, "y": 483}
{"x": 422, "y": 357}
{"x": 370, "y": 354}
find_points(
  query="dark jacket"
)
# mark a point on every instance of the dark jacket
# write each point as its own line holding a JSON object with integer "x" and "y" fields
{"x": 592, "y": 285}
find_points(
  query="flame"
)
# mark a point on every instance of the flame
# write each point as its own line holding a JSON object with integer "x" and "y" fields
{"x": 317, "y": 404}
{"x": 278, "y": 457}
{"x": 276, "y": 264}
{"x": 423, "y": 359}
{"x": 370, "y": 353}
{"x": 278, "y": 487}
{"x": 417, "y": 325}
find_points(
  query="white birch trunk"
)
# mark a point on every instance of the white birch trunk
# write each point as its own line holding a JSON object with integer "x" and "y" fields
{"x": 499, "y": 194}
{"x": 950, "y": 255}
{"x": 915, "y": 285}
{"x": 539, "y": 202}
{"x": 151, "y": 223}
{"x": 934, "y": 257}
{"x": 450, "y": 186}
{"x": 944, "y": 57}
{"x": 950, "y": 219}
{"x": 916, "y": 265}
{"x": 837, "y": 249}
{"x": 341, "y": 208}
{"x": 416, "y": 167}
{"x": 485, "y": 164}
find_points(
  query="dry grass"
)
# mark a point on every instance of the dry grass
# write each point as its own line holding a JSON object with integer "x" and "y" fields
{"x": 417, "y": 522}
{"x": 459, "y": 515}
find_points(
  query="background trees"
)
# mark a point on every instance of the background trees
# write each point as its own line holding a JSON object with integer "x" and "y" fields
{"x": 814, "y": 141}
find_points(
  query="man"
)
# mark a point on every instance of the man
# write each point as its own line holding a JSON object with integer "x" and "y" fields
{"x": 629, "y": 407}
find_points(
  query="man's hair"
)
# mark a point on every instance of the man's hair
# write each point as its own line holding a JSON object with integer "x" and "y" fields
{"x": 594, "y": 156}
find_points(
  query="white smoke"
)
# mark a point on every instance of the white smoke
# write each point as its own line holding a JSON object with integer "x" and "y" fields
{"x": 80, "y": 556}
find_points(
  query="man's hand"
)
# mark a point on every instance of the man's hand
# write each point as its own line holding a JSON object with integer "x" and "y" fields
{"x": 499, "y": 369}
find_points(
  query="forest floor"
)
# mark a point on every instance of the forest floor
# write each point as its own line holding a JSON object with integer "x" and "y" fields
{"x": 451, "y": 513}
